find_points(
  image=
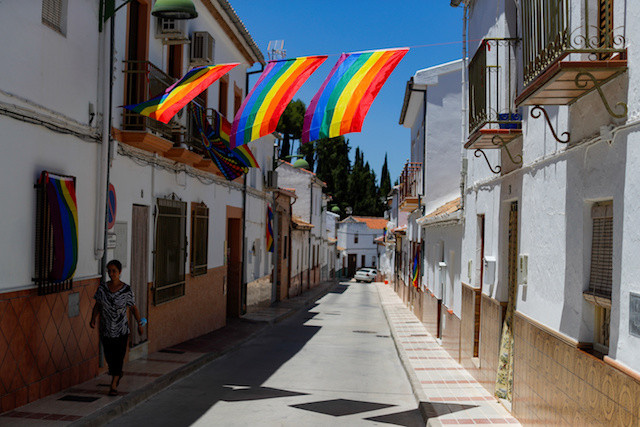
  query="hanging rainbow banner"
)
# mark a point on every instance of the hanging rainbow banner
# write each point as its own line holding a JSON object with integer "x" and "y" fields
{"x": 222, "y": 131}
{"x": 269, "y": 229}
{"x": 261, "y": 109}
{"x": 192, "y": 84}
{"x": 63, "y": 208}
{"x": 416, "y": 270}
{"x": 347, "y": 93}
{"x": 229, "y": 164}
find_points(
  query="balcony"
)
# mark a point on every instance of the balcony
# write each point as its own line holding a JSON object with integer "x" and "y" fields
{"x": 410, "y": 186}
{"x": 494, "y": 120}
{"x": 570, "y": 48}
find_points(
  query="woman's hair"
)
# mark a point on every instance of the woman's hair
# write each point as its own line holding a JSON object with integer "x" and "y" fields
{"x": 117, "y": 264}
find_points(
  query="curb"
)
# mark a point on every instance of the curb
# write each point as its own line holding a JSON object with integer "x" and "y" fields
{"x": 128, "y": 402}
{"x": 416, "y": 386}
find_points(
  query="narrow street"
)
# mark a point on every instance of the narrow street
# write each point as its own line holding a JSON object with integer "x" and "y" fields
{"x": 334, "y": 364}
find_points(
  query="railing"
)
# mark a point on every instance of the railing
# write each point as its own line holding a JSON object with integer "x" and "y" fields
{"x": 492, "y": 86}
{"x": 553, "y": 29}
{"x": 410, "y": 181}
{"x": 143, "y": 81}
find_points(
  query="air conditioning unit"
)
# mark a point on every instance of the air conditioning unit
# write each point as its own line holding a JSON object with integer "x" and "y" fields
{"x": 172, "y": 31}
{"x": 272, "y": 179}
{"x": 202, "y": 47}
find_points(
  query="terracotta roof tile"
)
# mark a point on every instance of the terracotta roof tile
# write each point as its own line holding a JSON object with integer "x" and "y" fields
{"x": 374, "y": 223}
{"x": 447, "y": 208}
{"x": 300, "y": 223}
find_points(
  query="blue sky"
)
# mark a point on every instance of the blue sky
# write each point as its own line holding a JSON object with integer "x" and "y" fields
{"x": 330, "y": 27}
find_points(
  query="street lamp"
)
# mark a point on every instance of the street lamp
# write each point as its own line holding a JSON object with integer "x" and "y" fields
{"x": 174, "y": 9}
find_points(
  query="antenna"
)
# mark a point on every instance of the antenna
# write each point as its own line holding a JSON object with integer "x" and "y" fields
{"x": 276, "y": 50}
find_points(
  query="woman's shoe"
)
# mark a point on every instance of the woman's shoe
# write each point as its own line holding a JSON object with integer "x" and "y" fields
{"x": 113, "y": 392}
{"x": 118, "y": 380}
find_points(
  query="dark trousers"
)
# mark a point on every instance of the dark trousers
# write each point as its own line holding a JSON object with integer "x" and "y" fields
{"x": 114, "y": 351}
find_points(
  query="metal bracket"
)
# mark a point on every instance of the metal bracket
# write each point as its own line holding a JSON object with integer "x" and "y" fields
{"x": 479, "y": 152}
{"x": 499, "y": 142}
{"x": 581, "y": 84}
{"x": 535, "y": 113}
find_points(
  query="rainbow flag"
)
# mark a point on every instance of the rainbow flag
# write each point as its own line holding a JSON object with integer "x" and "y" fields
{"x": 416, "y": 270}
{"x": 269, "y": 240}
{"x": 222, "y": 132}
{"x": 165, "y": 106}
{"x": 261, "y": 109}
{"x": 63, "y": 207}
{"x": 347, "y": 93}
{"x": 229, "y": 164}
{"x": 244, "y": 153}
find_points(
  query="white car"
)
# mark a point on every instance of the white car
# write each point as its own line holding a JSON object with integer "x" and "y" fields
{"x": 366, "y": 275}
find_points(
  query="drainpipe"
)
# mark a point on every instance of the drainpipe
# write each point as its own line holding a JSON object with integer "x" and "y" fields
{"x": 243, "y": 286}
{"x": 465, "y": 107}
{"x": 311, "y": 222}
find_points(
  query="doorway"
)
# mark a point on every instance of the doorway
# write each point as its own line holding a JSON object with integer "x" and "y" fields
{"x": 139, "y": 268}
{"x": 480, "y": 280}
{"x": 352, "y": 259}
{"x": 234, "y": 267}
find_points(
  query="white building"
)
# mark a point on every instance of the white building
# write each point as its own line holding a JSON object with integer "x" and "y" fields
{"x": 357, "y": 234}
{"x": 177, "y": 226}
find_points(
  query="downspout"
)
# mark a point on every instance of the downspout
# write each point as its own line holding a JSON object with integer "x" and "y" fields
{"x": 310, "y": 221}
{"x": 465, "y": 108}
{"x": 243, "y": 286}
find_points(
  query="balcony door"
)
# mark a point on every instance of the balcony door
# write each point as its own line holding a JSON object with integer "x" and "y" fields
{"x": 137, "y": 53}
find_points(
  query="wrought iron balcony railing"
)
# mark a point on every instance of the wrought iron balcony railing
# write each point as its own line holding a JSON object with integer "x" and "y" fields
{"x": 492, "y": 86}
{"x": 410, "y": 186}
{"x": 554, "y": 29}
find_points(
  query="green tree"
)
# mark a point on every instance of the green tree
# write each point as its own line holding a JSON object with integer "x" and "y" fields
{"x": 385, "y": 179}
{"x": 290, "y": 125}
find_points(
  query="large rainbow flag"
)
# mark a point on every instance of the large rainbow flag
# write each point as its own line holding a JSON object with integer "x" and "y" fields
{"x": 347, "y": 93}
{"x": 261, "y": 109}
{"x": 61, "y": 198}
{"x": 165, "y": 106}
{"x": 269, "y": 240}
{"x": 229, "y": 164}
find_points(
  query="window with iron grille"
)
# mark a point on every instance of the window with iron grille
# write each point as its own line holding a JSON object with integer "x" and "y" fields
{"x": 199, "y": 238}
{"x": 56, "y": 245}
{"x": 170, "y": 250}
{"x": 54, "y": 14}
{"x": 600, "y": 274}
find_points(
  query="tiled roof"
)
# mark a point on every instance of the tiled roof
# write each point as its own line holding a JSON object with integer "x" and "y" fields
{"x": 340, "y": 248}
{"x": 447, "y": 208}
{"x": 374, "y": 223}
{"x": 300, "y": 223}
{"x": 332, "y": 240}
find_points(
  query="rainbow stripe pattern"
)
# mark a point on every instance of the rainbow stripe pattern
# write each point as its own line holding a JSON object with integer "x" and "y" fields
{"x": 222, "y": 132}
{"x": 229, "y": 164}
{"x": 261, "y": 109}
{"x": 269, "y": 240}
{"x": 346, "y": 95}
{"x": 63, "y": 207}
{"x": 416, "y": 270}
{"x": 192, "y": 84}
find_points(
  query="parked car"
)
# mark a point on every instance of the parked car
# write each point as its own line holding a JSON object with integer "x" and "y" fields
{"x": 366, "y": 275}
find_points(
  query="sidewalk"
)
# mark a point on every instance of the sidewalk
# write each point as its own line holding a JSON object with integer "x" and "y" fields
{"x": 89, "y": 404}
{"x": 446, "y": 392}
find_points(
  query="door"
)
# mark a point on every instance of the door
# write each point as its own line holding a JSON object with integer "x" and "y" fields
{"x": 234, "y": 267}
{"x": 478, "y": 295}
{"x": 504, "y": 381}
{"x": 351, "y": 265}
{"x": 139, "y": 267}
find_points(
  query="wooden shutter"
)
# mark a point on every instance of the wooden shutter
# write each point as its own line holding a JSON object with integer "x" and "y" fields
{"x": 199, "y": 238}
{"x": 601, "y": 250}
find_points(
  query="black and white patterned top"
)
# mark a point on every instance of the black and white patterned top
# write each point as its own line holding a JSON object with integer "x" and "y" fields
{"x": 113, "y": 310}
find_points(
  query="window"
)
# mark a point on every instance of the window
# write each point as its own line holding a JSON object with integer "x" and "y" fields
{"x": 600, "y": 274}
{"x": 199, "y": 238}
{"x": 170, "y": 250}
{"x": 54, "y": 15}
{"x": 355, "y": 238}
{"x": 223, "y": 95}
{"x": 285, "y": 244}
{"x": 237, "y": 98}
{"x": 56, "y": 243}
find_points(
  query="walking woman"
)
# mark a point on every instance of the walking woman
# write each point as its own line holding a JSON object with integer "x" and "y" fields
{"x": 112, "y": 300}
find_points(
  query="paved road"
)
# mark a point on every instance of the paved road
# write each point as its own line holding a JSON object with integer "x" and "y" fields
{"x": 334, "y": 364}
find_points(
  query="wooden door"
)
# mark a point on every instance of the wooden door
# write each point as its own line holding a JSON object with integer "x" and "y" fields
{"x": 139, "y": 267}
{"x": 351, "y": 265}
{"x": 234, "y": 267}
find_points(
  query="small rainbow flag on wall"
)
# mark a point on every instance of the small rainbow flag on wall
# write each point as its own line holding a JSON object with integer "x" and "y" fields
{"x": 61, "y": 198}
{"x": 416, "y": 269}
{"x": 261, "y": 109}
{"x": 192, "y": 84}
{"x": 269, "y": 229}
{"x": 346, "y": 95}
